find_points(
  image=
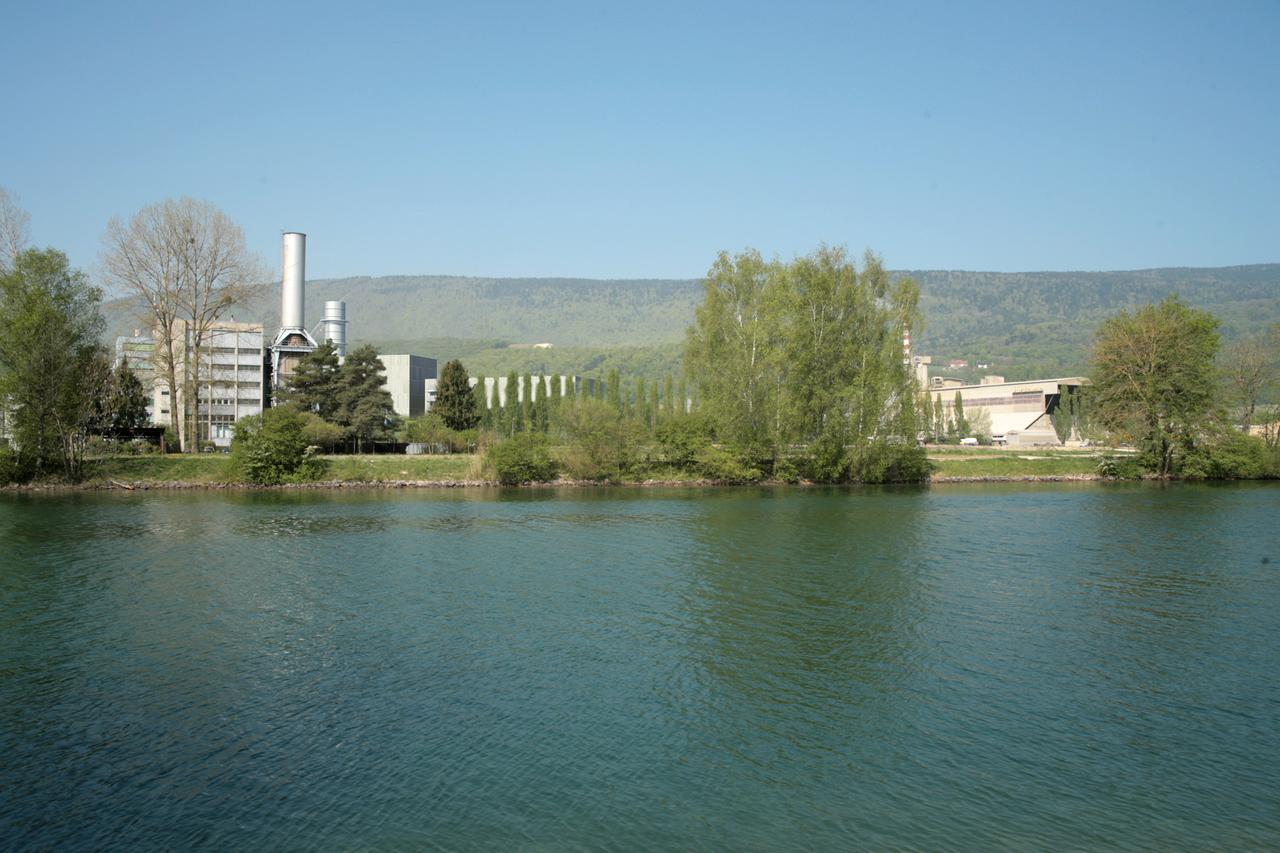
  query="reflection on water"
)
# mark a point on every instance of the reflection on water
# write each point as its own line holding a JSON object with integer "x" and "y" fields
{"x": 963, "y": 667}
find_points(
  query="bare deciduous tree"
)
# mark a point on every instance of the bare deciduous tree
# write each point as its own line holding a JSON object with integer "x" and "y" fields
{"x": 15, "y": 230}
{"x": 187, "y": 262}
{"x": 1251, "y": 368}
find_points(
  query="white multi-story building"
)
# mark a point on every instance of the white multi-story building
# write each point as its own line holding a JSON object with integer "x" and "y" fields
{"x": 228, "y": 378}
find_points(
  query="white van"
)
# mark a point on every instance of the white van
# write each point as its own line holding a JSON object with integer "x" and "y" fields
{"x": 969, "y": 442}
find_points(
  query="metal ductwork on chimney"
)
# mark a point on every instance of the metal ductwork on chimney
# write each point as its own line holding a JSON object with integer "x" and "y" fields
{"x": 333, "y": 326}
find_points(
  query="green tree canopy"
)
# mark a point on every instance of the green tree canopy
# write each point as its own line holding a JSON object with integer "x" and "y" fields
{"x": 52, "y": 369}
{"x": 272, "y": 448}
{"x": 807, "y": 353}
{"x": 1154, "y": 378}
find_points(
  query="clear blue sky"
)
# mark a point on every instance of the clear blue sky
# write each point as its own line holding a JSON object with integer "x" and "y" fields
{"x": 637, "y": 139}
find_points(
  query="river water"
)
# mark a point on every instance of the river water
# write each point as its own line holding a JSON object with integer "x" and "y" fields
{"x": 1049, "y": 666}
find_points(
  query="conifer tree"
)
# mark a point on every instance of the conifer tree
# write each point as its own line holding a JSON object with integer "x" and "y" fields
{"x": 455, "y": 402}
{"x": 127, "y": 400}
{"x": 364, "y": 405}
{"x": 315, "y": 385}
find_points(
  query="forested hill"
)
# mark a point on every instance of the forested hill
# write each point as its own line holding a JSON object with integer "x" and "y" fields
{"x": 1039, "y": 323}
{"x": 1022, "y": 323}
{"x": 563, "y": 311}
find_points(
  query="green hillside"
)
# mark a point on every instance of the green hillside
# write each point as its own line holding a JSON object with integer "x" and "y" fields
{"x": 1024, "y": 324}
{"x": 1042, "y": 323}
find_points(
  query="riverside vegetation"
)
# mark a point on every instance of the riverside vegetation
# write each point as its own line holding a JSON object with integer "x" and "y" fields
{"x": 791, "y": 371}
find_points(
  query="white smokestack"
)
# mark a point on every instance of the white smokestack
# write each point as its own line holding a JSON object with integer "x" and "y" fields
{"x": 293, "y": 266}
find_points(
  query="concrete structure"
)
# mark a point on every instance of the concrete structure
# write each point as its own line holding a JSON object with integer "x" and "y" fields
{"x": 1021, "y": 412}
{"x": 920, "y": 367}
{"x": 536, "y": 385}
{"x": 407, "y": 377}
{"x": 228, "y": 376}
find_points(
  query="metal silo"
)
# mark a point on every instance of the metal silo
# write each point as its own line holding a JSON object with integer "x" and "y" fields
{"x": 333, "y": 326}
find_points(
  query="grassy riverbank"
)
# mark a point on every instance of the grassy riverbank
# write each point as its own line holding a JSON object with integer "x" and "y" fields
{"x": 950, "y": 463}
{"x": 212, "y": 469}
{"x": 993, "y": 462}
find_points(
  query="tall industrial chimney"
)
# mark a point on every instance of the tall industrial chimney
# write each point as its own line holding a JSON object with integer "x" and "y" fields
{"x": 293, "y": 341}
{"x": 293, "y": 267}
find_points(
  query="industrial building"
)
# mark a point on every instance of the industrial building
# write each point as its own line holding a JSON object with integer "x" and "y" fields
{"x": 1021, "y": 412}
{"x": 407, "y": 374}
{"x": 407, "y": 381}
{"x": 227, "y": 373}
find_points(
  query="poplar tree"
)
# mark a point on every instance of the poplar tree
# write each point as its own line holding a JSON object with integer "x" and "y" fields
{"x": 958, "y": 418}
{"x": 525, "y": 400}
{"x": 510, "y": 406}
{"x": 613, "y": 389}
{"x": 484, "y": 413}
{"x": 926, "y": 415}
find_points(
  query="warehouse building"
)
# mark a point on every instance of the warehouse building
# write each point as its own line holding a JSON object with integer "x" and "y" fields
{"x": 407, "y": 381}
{"x": 1021, "y": 412}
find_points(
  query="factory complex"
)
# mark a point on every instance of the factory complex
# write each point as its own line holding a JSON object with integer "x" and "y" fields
{"x": 239, "y": 372}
